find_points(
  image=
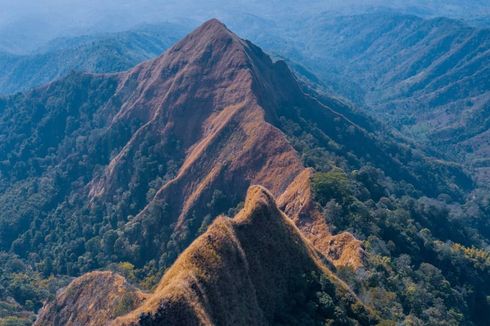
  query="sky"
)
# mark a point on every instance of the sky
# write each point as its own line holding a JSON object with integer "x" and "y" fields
{"x": 26, "y": 24}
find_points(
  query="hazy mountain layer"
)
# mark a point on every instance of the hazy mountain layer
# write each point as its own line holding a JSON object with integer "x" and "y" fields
{"x": 97, "y": 53}
{"x": 429, "y": 78}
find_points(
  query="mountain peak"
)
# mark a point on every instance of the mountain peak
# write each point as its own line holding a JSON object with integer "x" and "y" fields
{"x": 212, "y": 32}
{"x": 242, "y": 271}
{"x": 214, "y": 25}
{"x": 259, "y": 199}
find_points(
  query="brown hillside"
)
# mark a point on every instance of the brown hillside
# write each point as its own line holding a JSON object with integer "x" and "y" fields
{"x": 201, "y": 94}
{"x": 218, "y": 97}
{"x": 91, "y": 300}
{"x": 242, "y": 271}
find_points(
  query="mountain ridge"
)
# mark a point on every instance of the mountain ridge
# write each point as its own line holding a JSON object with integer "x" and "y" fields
{"x": 220, "y": 100}
{"x": 239, "y": 272}
{"x": 102, "y": 53}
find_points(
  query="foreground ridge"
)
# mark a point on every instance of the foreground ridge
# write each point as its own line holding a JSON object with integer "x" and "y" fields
{"x": 241, "y": 271}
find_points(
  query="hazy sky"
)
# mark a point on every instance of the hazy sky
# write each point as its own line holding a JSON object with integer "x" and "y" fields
{"x": 28, "y": 23}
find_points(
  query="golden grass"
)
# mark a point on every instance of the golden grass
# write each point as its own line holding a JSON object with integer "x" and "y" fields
{"x": 240, "y": 272}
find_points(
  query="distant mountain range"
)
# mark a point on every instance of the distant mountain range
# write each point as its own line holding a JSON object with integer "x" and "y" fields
{"x": 97, "y": 53}
{"x": 25, "y": 27}
{"x": 428, "y": 78}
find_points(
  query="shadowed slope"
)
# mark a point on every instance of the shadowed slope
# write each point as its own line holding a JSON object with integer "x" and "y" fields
{"x": 250, "y": 270}
{"x": 254, "y": 269}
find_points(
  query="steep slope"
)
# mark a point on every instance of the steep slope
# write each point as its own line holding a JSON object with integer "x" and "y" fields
{"x": 299, "y": 204}
{"x": 95, "y": 53}
{"x": 201, "y": 95}
{"x": 243, "y": 271}
{"x": 219, "y": 98}
{"x": 427, "y": 77}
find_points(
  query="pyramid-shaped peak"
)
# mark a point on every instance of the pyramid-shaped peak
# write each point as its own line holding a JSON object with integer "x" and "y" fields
{"x": 214, "y": 24}
{"x": 212, "y": 31}
{"x": 210, "y": 37}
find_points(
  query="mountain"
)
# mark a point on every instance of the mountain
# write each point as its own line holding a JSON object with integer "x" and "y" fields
{"x": 95, "y": 53}
{"x": 427, "y": 77}
{"x": 125, "y": 170}
{"x": 430, "y": 82}
{"x": 413, "y": 84}
{"x": 165, "y": 139}
{"x": 241, "y": 271}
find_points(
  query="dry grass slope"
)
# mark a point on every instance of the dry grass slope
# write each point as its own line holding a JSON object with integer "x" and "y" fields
{"x": 254, "y": 269}
{"x": 91, "y": 300}
{"x": 242, "y": 271}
